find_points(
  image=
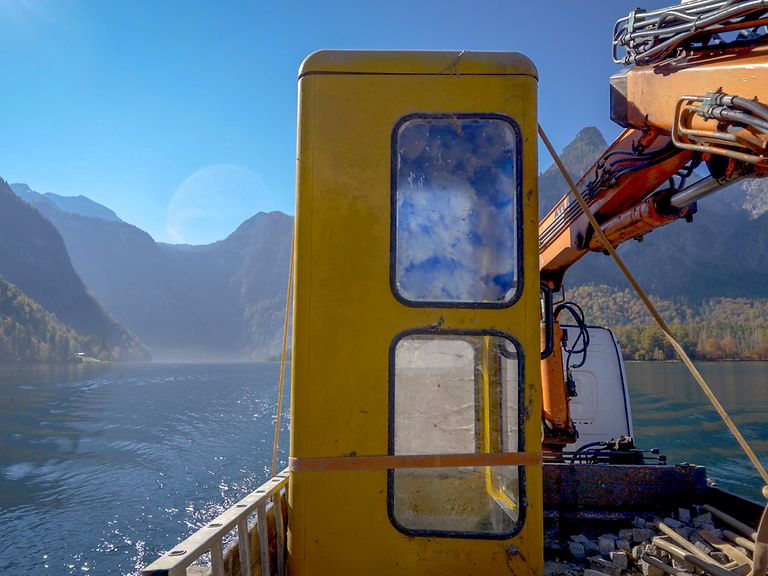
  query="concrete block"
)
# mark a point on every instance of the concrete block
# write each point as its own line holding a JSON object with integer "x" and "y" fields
{"x": 592, "y": 548}
{"x": 580, "y": 538}
{"x": 620, "y": 558}
{"x": 640, "y": 534}
{"x": 649, "y": 570}
{"x": 577, "y": 550}
{"x": 625, "y": 534}
{"x": 703, "y": 519}
{"x": 607, "y": 544}
{"x": 605, "y": 566}
{"x": 684, "y": 515}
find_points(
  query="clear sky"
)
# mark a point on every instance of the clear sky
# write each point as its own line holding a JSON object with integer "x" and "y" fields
{"x": 181, "y": 115}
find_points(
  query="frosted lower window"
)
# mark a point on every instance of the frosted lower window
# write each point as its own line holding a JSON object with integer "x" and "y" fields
{"x": 455, "y": 394}
{"x": 456, "y": 191}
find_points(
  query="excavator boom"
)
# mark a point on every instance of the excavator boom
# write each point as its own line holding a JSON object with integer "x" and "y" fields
{"x": 702, "y": 108}
{"x": 693, "y": 96}
{"x": 618, "y": 190}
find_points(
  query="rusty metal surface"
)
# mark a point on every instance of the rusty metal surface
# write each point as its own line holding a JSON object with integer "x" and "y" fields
{"x": 745, "y": 510}
{"x": 600, "y": 490}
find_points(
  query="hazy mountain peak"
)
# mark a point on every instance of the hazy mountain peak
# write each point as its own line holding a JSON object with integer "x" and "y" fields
{"x": 262, "y": 217}
{"x": 26, "y": 193}
{"x": 21, "y": 188}
{"x": 583, "y": 151}
{"x": 83, "y": 206}
{"x": 578, "y": 156}
{"x": 80, "y": 205}
{"x": 590, "y": 135}
{"x": 256, "y": 224}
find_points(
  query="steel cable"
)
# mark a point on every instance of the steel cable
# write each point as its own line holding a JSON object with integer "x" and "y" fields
{"x": 649, "y": 37}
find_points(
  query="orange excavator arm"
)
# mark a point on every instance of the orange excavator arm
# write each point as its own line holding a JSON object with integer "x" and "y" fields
{"x": 618, "y": 189}
{"x": 693, "y": 96}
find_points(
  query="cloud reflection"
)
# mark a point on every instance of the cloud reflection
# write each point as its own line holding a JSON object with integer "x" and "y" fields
{"x": 456, "y": 210}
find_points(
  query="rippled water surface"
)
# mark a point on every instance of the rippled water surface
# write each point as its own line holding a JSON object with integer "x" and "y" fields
{"x": 670, "y": 412}
{"x": 102, "y": 468}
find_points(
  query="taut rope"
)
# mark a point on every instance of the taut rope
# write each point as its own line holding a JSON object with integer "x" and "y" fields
{"x": 282, "y": 358}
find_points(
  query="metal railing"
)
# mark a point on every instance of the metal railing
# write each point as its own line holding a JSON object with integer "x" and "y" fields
{"x": 267, "y": 498}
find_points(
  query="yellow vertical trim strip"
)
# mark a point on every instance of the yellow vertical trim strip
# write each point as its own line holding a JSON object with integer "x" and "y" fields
{"x": 495, "y": 492}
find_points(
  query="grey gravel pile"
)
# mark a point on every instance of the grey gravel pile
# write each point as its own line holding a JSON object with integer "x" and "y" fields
{"x": 633, "y": 552}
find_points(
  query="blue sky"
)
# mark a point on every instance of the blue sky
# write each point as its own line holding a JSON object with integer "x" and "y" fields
{"x": 181, "y": 116}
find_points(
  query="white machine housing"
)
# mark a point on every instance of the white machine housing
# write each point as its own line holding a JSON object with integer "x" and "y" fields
{"x": 601, "y": 409}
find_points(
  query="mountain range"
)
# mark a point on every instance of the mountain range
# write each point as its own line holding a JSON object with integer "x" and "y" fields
{"x": 69, "y": 204}
{"x": 217, "y": 302}
{"x": 34, "y": 260}
{"x": 226, "y": 300}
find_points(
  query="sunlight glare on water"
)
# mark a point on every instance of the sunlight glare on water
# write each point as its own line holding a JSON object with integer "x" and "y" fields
{"x": 104, "y": 468}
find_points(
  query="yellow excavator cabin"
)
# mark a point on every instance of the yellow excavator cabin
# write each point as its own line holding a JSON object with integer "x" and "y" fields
{"x": 416, "y": 395}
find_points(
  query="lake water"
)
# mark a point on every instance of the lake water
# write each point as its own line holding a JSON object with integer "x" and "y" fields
{"x": 102, "y": 468}
{"x": 670, "y": 412}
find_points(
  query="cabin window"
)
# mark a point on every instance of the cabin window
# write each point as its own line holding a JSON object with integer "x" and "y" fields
{"x": 456, "y": 393}
{"x": 456, "y": 210}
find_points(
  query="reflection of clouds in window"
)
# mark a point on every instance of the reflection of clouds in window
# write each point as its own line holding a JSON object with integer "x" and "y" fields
{"x": 456, "y": 212}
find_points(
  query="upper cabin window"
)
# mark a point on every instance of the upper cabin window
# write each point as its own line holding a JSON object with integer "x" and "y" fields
{"x": 456, "y": 231}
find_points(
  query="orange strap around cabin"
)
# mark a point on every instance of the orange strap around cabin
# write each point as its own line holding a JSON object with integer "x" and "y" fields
{"x": 370, "y": 463}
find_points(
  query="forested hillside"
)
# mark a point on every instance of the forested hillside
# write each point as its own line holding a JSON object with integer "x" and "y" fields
{"x": 29, "y": 334}
{"x": 34, "y": 259}
{"x": 709, "y": 278}
{"x": 715, "y": 329}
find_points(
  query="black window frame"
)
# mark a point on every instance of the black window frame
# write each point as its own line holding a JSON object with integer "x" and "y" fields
{"x": 522, "y": 500}
{"x": 518, "y": 195}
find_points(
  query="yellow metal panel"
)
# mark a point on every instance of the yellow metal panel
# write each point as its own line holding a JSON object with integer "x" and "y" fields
{"x": 465, "y": 62}
{"x": 346, "y": 316}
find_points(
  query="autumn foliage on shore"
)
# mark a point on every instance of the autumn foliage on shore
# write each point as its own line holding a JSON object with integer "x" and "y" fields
{"x": 714, "y": 329}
